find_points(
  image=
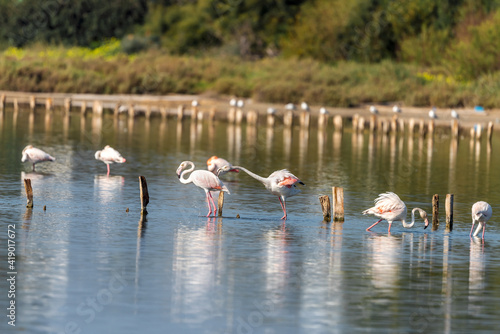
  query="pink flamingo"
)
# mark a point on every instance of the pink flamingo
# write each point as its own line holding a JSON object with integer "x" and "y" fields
{"x": 109, "y": 155}
{"x": 215, "y": 163}
{"x": 281, "y": 183}
{"x": 481, "y": 213}
{"x": 390, "y": 207}
{"x": 203, "y": 179}
{"x": 35, "y": 155}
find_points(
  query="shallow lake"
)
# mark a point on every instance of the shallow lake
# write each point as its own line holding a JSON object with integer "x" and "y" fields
{"x": 86, "y": 264}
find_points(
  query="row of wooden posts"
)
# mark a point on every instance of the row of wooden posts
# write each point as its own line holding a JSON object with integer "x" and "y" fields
{"x": 338, "y": 208}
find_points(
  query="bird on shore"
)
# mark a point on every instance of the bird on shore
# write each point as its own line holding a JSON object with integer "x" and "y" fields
{"x": 214, "y": 164}
{"x": 454, "y": 114}
{"x": 35, "y": 155}
{"x": 323, "y": 111}
{"x": 304, "y": 106}
{"x": 203, "y": 179}
{"x": 271, "y": 111}
{"x": 373, "y": 110}
{"x": 432, "y": 113}
{"x": 388, "y": 206}
{"x": 290, "y": 106}
{"x": 481, "y": 213}
{"x": 109, "y": 155}
{"x": 396, "y": 109}
{"x": 281, "y": 183}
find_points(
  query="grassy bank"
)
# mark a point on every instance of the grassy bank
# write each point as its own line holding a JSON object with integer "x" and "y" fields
{"x": 106, "y": 70}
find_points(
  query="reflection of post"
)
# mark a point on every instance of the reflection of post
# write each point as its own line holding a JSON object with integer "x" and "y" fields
{"x": 304, "y": 141}
{"x": 251, "y": 135}
{"x": 48, "y": 121}
{"x": 490, "y": 131}
{"x": 269, "y": 139}
{"x": 447, "y": 285}
{"x": 143, "y": 185}
{"x": 287, "y": 142}
{"x": 237, "y": 142}
{"x": 449, "y": 212}
{"x": 435, "y": 212}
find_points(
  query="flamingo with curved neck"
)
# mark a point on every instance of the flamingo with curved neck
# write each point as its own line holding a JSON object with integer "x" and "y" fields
{"x": 281, "y": 183}
{"x": 481, "y": 213}
{"x": 203, "y": 179}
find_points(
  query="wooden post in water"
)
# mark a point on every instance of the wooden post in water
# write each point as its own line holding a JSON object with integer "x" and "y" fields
{"x": 411, "y": 126}
{"x": 479, "y": 131}
{"x": 338, "y": 123}
{"x": 373, "y": 123}
{"x": 449, "y": 212}
{"x": 338, "y": 203}
{"x": 422, "y": 128}
{"x": 49, "y": 103}
{"x": 435, "y": 212}
{"x": 32, "y": 102}
{"x": 454, "y": 128}
{"x": 131, "y": 111}
{"x": 180, "y": 112}
{"x": 97, "y": 107}
{"x": 252, "y": 118}
{"x": 163, "y": 113}
{"x": 361, "y": 124}
{"x": 220, "y": 203}
{"x": 67, "y": 105}
{"x": 355, "y": 119}
{"x": 29, "y": 193}
{"x": 16, "y": 104}
{"x": 305, "y": 117}
{"x": 270, "y": 120}
{"x": 288, "y": 118}
{"x": 326, "y": 207}
{"x": 83, "y": 108}
{"x": 431, "y": 127}
{"x": 2, "y": 102}
{"x": 143, "y": 185}
{"x": 147, "y": 113}
{"x": 490, "y": 131}
{"x": 231, "y": 115}
{"x": 322, "y": 121}
{"x": 394, "y": 124}
{"x": 238, "y": 116}
{"x": 211, "y": 114}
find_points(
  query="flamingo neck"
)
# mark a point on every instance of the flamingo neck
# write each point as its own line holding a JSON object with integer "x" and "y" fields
{"x": 264, "y": 180}
{"x": 185, "y": 171}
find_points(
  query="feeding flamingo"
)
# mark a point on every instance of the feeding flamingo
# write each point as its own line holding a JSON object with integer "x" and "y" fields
{"x": 109, "y": 155}
{"x": 203, "y": 179}
{"x": 35, "y": 155}
{"x": 481, "y": 213}
{"x": 215, "y": 163}
{"x": 281, "y": 183}
{"x": 390, "y": 207}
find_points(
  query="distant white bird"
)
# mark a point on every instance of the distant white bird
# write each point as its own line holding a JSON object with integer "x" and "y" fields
{"x": 195, "y": 103}
{"x": 109, "y": 155}
{"x": 240, "y": 104}
{"x": 481, "y": 213}
{"x": 373, "y": 110}
{"x": 396, "y": 108}
{"x": 454, "y": 114}
{"x": 432, "y": 113}
{"x": 304, "y": 106}
{"x": 290, "y": 106}
{"x": 35, "y": 155}
{"x": 271, "y": 111}
{"x": 323, "y": 111}
{"x": 232, "y": 102}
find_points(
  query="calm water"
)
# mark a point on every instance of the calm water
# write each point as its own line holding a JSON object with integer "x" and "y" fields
{"x": 85, "y": 265}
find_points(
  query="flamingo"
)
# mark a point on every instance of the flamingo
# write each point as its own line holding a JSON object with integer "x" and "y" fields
{"x": 281, "y": 183}
{"x": 215, "y": 163}
{"x": 35, "y": 155}
{"x": 396, "y": 109}
{"x": 390, "y": 207}
{"x": 203, "y": 179}
{"x": 481, "y": 213}
{"x": 108, "y": 155}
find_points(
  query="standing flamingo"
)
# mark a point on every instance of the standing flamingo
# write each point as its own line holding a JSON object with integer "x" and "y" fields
{"x": 390, "y": 207}
{"x": 215, "y": 163}
{"x": 109, "y": 155}
{"x": 35, "y": 155}
{"x": 481, "y": 213}
{"x": 281, "y": 183}
{"x": 203, "y": 179}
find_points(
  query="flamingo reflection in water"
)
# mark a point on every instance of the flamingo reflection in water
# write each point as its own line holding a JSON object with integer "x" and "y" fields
{"x": 481, "y": 213}
{"x": 203, "y": 179}
{"x": 388, "y": 206}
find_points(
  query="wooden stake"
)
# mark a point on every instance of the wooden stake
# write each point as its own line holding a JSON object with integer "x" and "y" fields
{"x": 338, "y": 203}
{"x": 97, "y": 107}
{"x": 479, "y": 131}
{"x": 305, "y": 117}
{"x": 252, "y": 117}
{"x": 373, "y": 123}
{"x": 211, "y": 114}
{"x": 270, "y": 120}
{"x": 29, "y": 193}
{"x": 16, "y": 105}
{"x": 361, "y": 124}
{"x": 143, "y": 185}
{"x": 32, "y": 102}
{"x": 449, "y": 212}
{"x": 355, "y": 119}
{"x": 326, "y": 207}
{"x": 2, "y": 102}
{"x": 231, "y": 115}
{"x": 163, "y": 112}
{"x": 220, "y": 203}
{"x": 454, "y": 128}
{"x": 238, "y": 116}
{"x": 394, "y": 124}
{"x": 83, "y": 108}
{"x": 131, "y": 111}
{"x": 338, "y": 123}
{"x": 411, "y": 126}
{"x": 431, "y": 127}
{"x": 435, "y": 212}
{"x": 67, "y": 105}
{"x": 180, "y": 112}
{"x": 288, "y": 118}
{"x": 490, "y": 131}
{"x": 48, "y": 104}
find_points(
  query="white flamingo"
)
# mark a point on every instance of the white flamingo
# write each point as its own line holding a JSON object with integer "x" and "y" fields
{"x": 35, "y": 155}
{"x": 214, "y": 164}
{"x": 203, "y": 179}
{"x": 390, "y": 207}
{"x": 481, "y": 213}
{"x": 109, "y": 155}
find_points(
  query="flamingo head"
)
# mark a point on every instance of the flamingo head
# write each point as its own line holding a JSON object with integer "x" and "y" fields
{"x": 211, "y": 163}
{"x": 181, "y": 167}
{"x": 423, "y": 215}
{"x": 224, "y": 169}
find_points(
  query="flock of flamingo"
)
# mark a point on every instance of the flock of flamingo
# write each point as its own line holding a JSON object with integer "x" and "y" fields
{"x": 281, "y": 183}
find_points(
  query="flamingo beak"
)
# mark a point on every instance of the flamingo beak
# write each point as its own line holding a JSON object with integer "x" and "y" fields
{"x": 426, "y": 223}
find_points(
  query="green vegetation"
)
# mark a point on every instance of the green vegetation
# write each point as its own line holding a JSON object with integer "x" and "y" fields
{"x": 332, "y": 52}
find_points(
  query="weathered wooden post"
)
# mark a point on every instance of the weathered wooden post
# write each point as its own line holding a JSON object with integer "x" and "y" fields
{"x": 430, "y": 127}
{"x": 454, "y": 128}
{"x": 338, "y": 203}
{"x": 305, "y": 117}
{"x": 326, "y": 207}
{"x": 355, "y": 119}
{"x": 373, "y": 123}
{"x": 143, "y": 185}
{"x": 163, "y": 113}
{"x": 271, "y": 119}
{"x": 411, "y": 126}
{"x": 49, "y": 103}
{"x": 422, "y": 128}
{"x": 67, "y": 105}
{"x": 449, "y": 212}
{"x": 211, "y": 114}
{"x": 97, "y": 108}
{"x": 83, "y": 108}
{"x": 361, "y": 124}
{"x": 238, "y": 116}
{"x": 252, "y": 118}
{"x": 220, "y": 203}
{"x": 394, "y": 124}
{"x": 2, "y": 101}
{"x": 401, "y": 125}
{"x": 29, "y": 193}
{"x": 231, "y": 115}
{"x": 435, "y": 212}
{"x": 180, "y": 112}
{"x": 131, "y": 111}
{"x": 338, "y": 123}
{"x": 288, "y": 118}
{"x": 32, "y": 102}
{"x": 490, "y": 131}
{"x": 16, "y": 104}
{"x": 147, "y": 113}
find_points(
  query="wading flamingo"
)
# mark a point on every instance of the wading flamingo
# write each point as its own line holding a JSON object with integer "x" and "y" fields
{"x": 203, "y": 179}
{"x": 215, "y": 163}
{"x": 281, "y": 183}
{"x": 481, "y": 213}
{"x": 109, "y": 155}
{"x": 35, "y": 155}
{"x": 390, "y": 207}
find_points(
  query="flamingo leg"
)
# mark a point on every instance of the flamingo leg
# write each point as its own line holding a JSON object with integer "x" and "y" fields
{"x": 472, "y": 228}
{"x": 208, "y": 203}
{"x": 283, "y": 206}
{"x": 108, "y": 169}
{"x": 213, "y": 203}
{"x": 389, "y": 230}
{"x": 377, "y": 223}
{"x": 484, "y": 229}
